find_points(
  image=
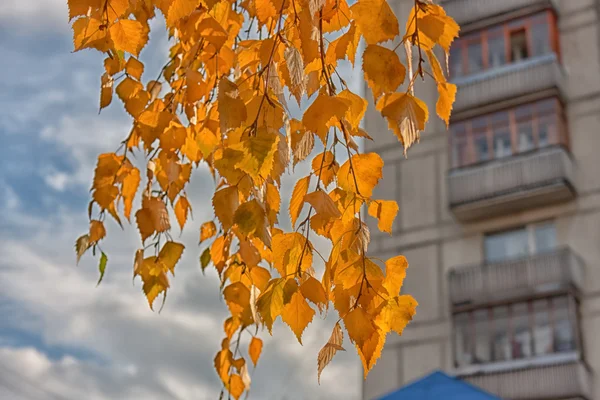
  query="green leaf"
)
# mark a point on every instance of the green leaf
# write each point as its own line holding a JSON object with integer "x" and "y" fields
{"x": 205, "y": 259}
{"x": 102, "y": 267}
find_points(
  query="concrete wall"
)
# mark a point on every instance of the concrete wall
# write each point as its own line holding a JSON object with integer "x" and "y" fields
{"x": 427, "y": 234}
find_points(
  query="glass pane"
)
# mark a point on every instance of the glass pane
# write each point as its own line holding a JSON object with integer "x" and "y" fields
{"x": 564, "y": 338}
{"x": 518, "y": 45}
{"x": 462, "y": 342}
{"x": 501, "y": 135}
{"x": 482, "y": 151}
{"x": 475, "y": 56}
{"x": 545, "y": 237}
{"x": 456, "y": 61}
{"x": 521, "y": 343}
{"x": 540, "y": 38}
{"x": 483, "y": 351}
{"x": 496, "y": 49}
{"x": 542, "y": 330}
{"x": 500, "y": 338}
{"x": 525, "y": 135}
{"x": 547, "y": 132}
{"x": 506, "y": 245}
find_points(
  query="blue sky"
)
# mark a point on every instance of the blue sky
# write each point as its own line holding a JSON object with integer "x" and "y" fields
{"x": 60, "y": 336}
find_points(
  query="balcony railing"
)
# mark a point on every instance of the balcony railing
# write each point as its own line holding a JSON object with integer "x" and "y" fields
{"x": 564, "y": 380}
{"x": 543, "y": 272}
{"x": 511, "y": 80}
{"x": 466, "y": 11}
{"x": 510, "y": 184}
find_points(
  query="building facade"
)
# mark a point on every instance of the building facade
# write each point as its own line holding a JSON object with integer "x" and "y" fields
{"x": 500, "y": 216}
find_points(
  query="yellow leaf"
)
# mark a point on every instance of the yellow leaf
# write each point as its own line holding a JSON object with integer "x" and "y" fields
{"x": 366, "y": 172}
{"x": 447, "y": 95}
{"x": 207, "y": 230}
{"x": 81, "y": 7}
{"x": 181, "y": 210}
{"x": 250, "y": 218}
{"x": 106, "y": 90}
{"x": 265, "y": 10}
{"x": 255, "y": 348}
{"x": 232, "y": 110}
{"x": 395, "y": 313}
{"x": 90, "y": 33}
{"x": 436, "y": 68}
{"x": 325, "y": 108}
{"x": 359, "y": 325}
{"x": 225, "y": 202}
{"x": 144, "y": 223}
{"x": 131, "y": 182}
{"x": 237, "y": 296}
{"x": 259, "y": 153}
{"x": 325, "y": 167}
{"x": 114, "y": 64}
{"x": 292, "y": 253}
{"x": 180, "y": 9}
{"x": 128, "y": 35}
{"x": 97, "y": 231}
{"x": 297, "y": 314}
{"x": 128, "y": 89}
{"x": 170, "y": 254}
{"x": 158, "y": 213}
{"x": 323, "y": 204}
{"x": 357, "y": 109}
{"x": 375, "y": 20}
{"x": 331, "y": 347}
{"x": 313, "y": 291}
{"x": 344, "y": 46}
{"x": 134, "y": 68}
{"x": 395, "y": 272}
{"x": 406, "y": 116}
{"x": 219, "y": 251}
{"x": 297, "y": 199}
{"x": 236, "y": 386}
{"x": 435, "y": 27}
{"x": 304, "y": 146}
{"x": 231, "y": 325}
{"x": 383, "y": 70}
{"x": 370, "y": 350}
{"x": 295, "y": 66}
{"x": 270, "y": 303}
{"x": 385, "y": 211}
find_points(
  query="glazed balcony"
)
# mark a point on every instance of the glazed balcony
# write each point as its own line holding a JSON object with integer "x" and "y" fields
{"x": 562, "y": 377}
{"x": 469, "y": 11}
{"x": 558, "y": 270}
{"x": 533, "y": 179}
{"x": 534, "y": 75}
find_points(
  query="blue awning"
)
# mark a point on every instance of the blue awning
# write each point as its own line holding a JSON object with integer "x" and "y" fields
{"x": 439, "y": 386}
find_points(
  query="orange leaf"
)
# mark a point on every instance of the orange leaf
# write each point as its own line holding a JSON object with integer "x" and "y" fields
{"x": 383, "y": 70}
{"x": 255, "y": 348}
{"x": 181, "y": 210}
{"x": 323, "y": 204}
{"x": 225, "y": 202}
{"x": 406, "y": 116}
{"x": 325, "y": 167}
{"x": 128, "y": 35}
{"x": 313, "y": 291}
{"x": 97, "y": 231}
{"x": 375, "y": 20}
{"x": 361, "y": 174}
{"x": 395, "y": 272}
{"x": 297, "y": 200}
{"x": 385, "y": 211}
{"x": 170, "y": 254}
{"x": 297, "y": 314}
{"x": 207, "y": 230}
{"x": 318, "y": 115}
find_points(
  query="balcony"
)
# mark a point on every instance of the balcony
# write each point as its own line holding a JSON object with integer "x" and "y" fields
{"x": 541, "y": 273}
{"x": 562, "y": 376}
{"x": 539, "y": 74}
{"x": 523, "y": 181}
{"x": 467, "y": 11}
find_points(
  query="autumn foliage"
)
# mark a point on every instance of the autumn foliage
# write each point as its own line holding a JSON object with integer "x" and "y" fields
{"x": 221, "y": 101}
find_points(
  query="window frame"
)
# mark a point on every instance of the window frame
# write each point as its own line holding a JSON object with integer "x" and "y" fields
{"x": 530, "y": 230}
{"x": 556, "y": 114}
{"x": 550, "y": 309}
{"x": 508, "y": 27}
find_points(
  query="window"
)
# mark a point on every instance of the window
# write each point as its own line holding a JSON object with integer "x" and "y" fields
{"x": 518, "y": 45}
{"x": 504, "y": 133}
{"x": 510, "y": 42}
{"x": 517, "y": 331}
{"x": 533, "y": 239}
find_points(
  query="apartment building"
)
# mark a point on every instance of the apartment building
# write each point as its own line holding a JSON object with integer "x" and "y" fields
{"x": 500, "y": 216}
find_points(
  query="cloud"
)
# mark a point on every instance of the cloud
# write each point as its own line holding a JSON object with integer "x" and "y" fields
{"x": 60, "y": 336}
